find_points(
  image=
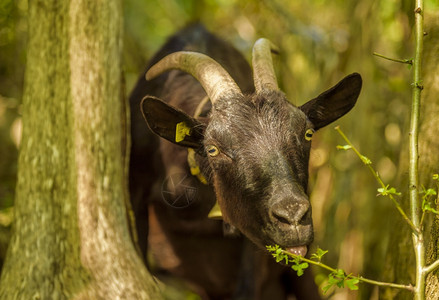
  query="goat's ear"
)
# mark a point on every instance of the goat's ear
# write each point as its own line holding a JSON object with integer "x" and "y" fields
{"x": 334, "y": 103}
{"x": 172, "y": 124}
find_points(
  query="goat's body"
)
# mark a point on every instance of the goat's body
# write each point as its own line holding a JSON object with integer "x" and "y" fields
{"x": 183, "y": 241}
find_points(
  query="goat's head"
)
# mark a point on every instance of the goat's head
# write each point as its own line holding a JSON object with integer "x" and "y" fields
{"x": 256, "y": 146}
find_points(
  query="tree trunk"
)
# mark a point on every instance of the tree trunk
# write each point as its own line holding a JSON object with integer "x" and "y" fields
{"x": 70, "y": 236}
{"x": 428, "y": 139}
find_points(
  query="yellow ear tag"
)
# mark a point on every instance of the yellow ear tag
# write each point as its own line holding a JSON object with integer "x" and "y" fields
{"x": 195, "y": 169}
{"x": 215, "y": 212}
{"x": 181, "y": 131}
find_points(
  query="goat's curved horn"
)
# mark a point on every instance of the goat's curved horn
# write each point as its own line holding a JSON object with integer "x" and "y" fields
{"x": 263, "y": 71}
{"x": 215, "y": 80}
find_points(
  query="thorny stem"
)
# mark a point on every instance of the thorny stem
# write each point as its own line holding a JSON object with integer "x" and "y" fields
{"x": 414, "y": 120}
{"x": 418, "y": 239}
{"x": 403, "y": 61}
{"x": 379, "y": 180}
{"x": 360, "y": 278}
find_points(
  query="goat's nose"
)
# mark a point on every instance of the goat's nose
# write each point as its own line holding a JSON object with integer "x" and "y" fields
{"x": 290, "y": 212}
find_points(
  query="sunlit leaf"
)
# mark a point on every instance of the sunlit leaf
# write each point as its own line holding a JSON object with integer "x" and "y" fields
{"x": 385, "y": 191}
{"x": 319, "y": 254}
{"x": 352, "y": 283}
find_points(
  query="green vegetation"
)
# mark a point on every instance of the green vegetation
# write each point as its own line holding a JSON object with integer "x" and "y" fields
{"x": 319, "y": 41}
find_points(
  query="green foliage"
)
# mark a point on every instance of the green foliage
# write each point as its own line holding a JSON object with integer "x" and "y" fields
{"x": 340, "y": 279}
{"x": 298, "y": 265}
{"x": 427, "y": 204}
{"x": 296, "y": 261}
{"x": 319, "y": 254}
{"x": 349, "y": 146}
{"x": 319, "y": 41}
{"x": 278, "y": 253}
{"x": 337, "y": 277}
{"x": 386, "y": 191}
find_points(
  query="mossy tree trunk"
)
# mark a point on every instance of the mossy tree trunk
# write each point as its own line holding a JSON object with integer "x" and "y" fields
{"x": 70, "y": 237}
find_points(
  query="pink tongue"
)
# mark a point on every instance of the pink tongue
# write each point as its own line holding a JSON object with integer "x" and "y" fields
{"x": 300, "y": 250}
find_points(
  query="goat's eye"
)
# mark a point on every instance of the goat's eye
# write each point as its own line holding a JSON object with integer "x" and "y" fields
{"x": 308, "y": 134}
{"x": 212, "y": 150}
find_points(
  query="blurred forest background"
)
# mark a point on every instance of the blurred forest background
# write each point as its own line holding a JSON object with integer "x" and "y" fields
{"x": 321, "y": 41}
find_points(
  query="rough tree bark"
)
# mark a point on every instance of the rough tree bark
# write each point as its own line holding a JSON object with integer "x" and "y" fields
{"x": 401, "y": 256}
{"x": 429, "y": 142}
{"x": 70, "y": 237}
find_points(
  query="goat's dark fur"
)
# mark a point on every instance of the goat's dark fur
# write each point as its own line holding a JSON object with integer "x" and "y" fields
{"x": 259, "y": 176}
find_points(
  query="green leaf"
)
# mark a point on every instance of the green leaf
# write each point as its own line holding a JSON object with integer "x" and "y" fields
{"x": 352, "y": 284}
{"x": 436, "y": 177}
{"x": 299, "y": 268}
{"x": 426, "y": 206}
{"x": 298, "y": 265}
{"x": 326, "y": 288}
{"x": 278, "y": 250}
{"x": 428, "y": 192}
{"x": 319, "y": 254}
{"x": 333, "y": 279}
{"x": 385, "y": 191}
{"x": 393, "y": 191}
{"x": 340, "y": 273}
{"x": 270, "y": 248}
{"x": 339, "y": 278}
{"x": 345, "y": 147}
{"x": 278, "y": 253}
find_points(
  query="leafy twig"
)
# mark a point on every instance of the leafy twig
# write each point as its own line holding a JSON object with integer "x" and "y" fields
{"x": 426, "y": 203}
{"x": 384, "y": 190}
{"x": 336, "y": 277}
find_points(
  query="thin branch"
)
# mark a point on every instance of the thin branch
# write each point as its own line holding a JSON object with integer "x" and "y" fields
{"x": 387, "y": 284}
{"x": 418, "y": 240}
{"x": 421, "y": 223}
{"x": 360, "y": 278}
{"x": 415, "y": 112}
{"x": 432, "y": 267}
{"x": 379, "y": 180}
{"x": 402, "y": 61}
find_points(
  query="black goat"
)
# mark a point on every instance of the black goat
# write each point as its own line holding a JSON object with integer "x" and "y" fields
{"x": 250, "y": 145}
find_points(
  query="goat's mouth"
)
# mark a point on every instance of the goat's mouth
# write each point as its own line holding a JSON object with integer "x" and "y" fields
{"x": 295, "y": 240}
{"x": 298, "y": 250}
